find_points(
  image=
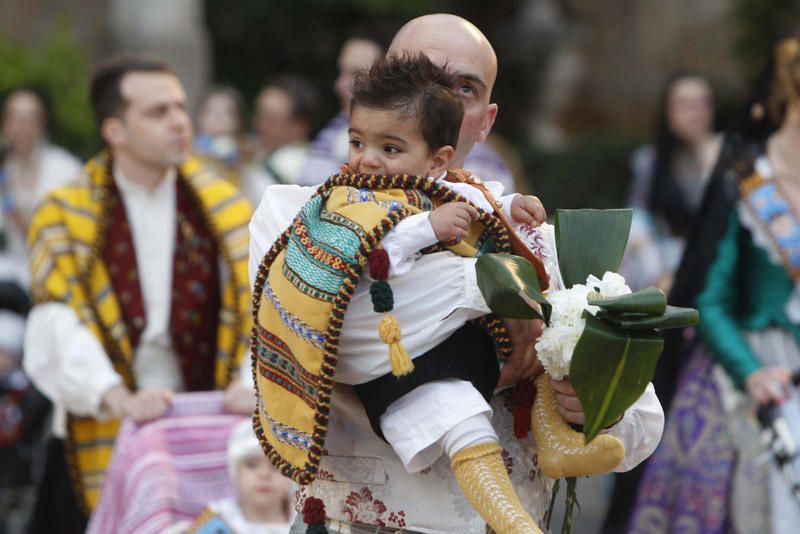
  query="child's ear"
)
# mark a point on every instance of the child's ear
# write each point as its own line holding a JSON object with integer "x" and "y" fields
{"x": 442, "y": 157}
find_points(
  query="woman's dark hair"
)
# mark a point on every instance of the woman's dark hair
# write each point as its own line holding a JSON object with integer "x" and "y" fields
{"x": 666, "y": 197}
{"x": 417, "y": 87}
{"x": 765, "y": 108}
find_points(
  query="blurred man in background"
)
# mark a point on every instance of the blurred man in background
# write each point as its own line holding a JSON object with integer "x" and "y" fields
{"x": 285, "y": 110}
{"x": 139, "y": 276}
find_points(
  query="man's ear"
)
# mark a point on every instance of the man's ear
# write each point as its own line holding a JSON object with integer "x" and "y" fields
{"x": 442, "y": 157}
{"x": 488, "y": 122}
{"x": 113, "y": 131}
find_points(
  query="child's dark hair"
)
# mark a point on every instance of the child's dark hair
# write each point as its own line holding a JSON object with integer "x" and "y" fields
{"x": 416, "y": 86}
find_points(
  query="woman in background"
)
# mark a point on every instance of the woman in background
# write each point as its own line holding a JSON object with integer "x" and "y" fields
{"x": 711, "y": 472}
{"x": 669, "y": 178}
{"x": 31, "y": 168}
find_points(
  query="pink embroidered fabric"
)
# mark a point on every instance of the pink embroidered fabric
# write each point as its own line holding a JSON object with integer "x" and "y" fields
{"x": 167, "y": 471}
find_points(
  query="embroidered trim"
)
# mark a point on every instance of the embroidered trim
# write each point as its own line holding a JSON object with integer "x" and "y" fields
{"x": 297, "y": 325}
{"x": 301, "y": 285}
{"x": 285, "y": 433}
{"x": 769, "y": 208}
{"x": 277, "y": 364}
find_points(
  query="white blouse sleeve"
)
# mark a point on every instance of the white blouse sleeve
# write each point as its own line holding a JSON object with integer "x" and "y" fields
{"x": 66, "y": 361}
{"x": 404, "y": 242}
{"x": 640, "y": 429}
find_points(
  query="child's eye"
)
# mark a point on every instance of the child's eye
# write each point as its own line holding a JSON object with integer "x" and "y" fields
{"x": 356, "y": 143}
{"x": 391, "y": 149}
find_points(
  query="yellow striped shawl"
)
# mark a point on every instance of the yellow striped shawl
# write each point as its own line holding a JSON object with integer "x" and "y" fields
{"x": 302, "y": 290}
{"x": 66, "y": 238}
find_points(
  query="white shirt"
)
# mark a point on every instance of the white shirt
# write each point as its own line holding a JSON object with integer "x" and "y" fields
{"x": 62, "y": 356}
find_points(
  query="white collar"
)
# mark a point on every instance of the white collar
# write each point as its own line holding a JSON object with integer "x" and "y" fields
{"x": 129, "y": 187}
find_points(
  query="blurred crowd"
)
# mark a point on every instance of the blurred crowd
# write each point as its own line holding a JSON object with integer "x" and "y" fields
{"x": 685, "y": 189}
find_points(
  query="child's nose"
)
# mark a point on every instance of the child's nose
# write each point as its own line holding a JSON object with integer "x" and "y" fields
{"x": 370, "y": 160}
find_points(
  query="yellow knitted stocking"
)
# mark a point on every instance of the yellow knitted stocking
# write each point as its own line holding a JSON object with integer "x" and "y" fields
{"x": 483, "y": 478}
{"x": 561, "y": 449}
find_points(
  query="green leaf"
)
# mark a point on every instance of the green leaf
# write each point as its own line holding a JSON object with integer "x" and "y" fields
{"x": 610, "y": 369}
{"x": 590, "y": 242}
{"x": 509, "y": 285}
{"x": 650, "y": 301}
{"x": 673, "y": 317}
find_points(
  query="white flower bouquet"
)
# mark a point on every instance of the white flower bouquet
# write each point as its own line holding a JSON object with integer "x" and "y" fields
{"x": 555, "y": 346}
{"x": 597, "y": 332}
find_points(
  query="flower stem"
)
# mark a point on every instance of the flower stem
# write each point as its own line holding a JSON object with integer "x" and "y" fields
{"x": 556, "y": 484}
{"x": 572, "y": 497}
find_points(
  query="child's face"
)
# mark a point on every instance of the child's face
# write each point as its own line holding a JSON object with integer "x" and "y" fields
{"x": 259, "y": 482}
{"x": 387, "y": 142}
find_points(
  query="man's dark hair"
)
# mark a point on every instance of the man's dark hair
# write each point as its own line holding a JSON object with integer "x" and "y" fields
{"x": 417, "y": 87}
{"x": 305, "y": 97}
{"x": 105, "y": 93}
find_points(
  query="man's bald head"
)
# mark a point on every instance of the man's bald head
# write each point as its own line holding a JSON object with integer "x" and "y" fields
{"x": 452, "y": 36}
{"x": 455, "y": 43}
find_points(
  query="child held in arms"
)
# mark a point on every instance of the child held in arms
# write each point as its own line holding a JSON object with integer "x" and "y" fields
{"x": 405, "y": 120}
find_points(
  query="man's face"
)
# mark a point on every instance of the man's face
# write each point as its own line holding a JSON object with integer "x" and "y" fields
{"x": 356, "y": 55}
{"x": 472, "y": 60}
{"x": 155, "y": 128}
{"x": 274, "y": 121}
{"x": 23, "y": 121}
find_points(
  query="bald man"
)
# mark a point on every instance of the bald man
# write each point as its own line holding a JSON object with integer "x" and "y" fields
{"x": 362, "y": 483}
{"x": 329, "y": 149}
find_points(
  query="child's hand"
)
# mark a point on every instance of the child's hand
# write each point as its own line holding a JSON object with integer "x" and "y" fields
{"x": 528, "y": 209}
{"x": 451, "y": 221}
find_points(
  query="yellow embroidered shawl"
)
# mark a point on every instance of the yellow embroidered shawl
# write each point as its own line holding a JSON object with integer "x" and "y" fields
{"x": 302, "y": 290}
{"x": 65, "y": 239}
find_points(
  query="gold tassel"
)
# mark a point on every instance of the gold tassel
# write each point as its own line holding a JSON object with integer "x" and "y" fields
{"x": 389, "y": 330}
